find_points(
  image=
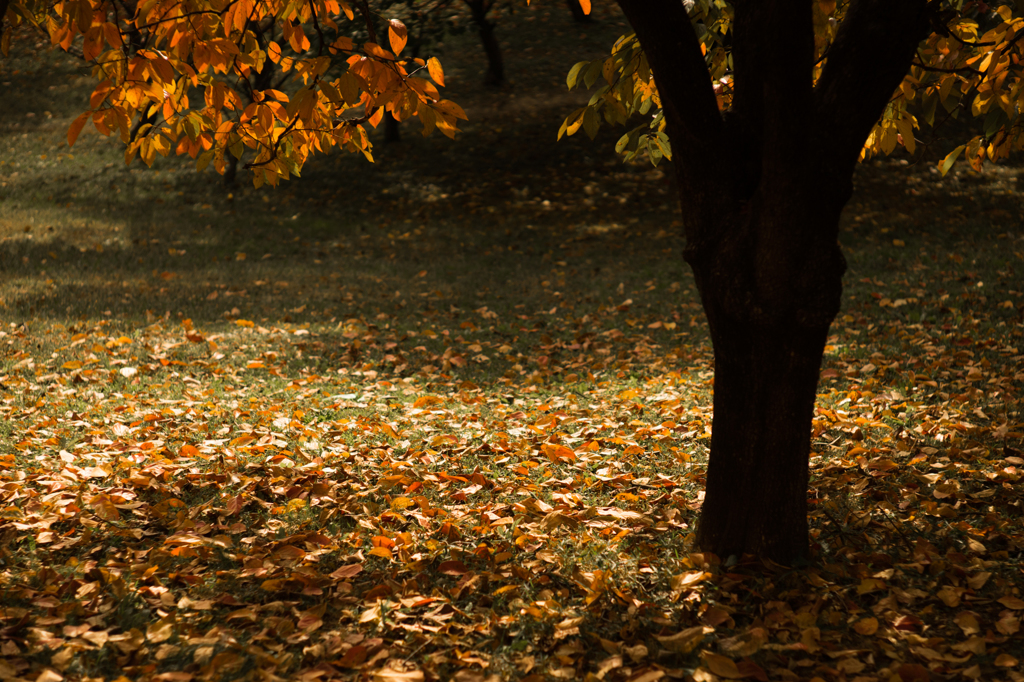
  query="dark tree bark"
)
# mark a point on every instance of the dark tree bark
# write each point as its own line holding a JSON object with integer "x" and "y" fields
{"x": 762, "y": 190}
{"x": 479, "y": 9}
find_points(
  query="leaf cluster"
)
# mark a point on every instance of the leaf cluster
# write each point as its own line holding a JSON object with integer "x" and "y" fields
{"x": 277, "y": 81}
{"x": 969, "y": 66}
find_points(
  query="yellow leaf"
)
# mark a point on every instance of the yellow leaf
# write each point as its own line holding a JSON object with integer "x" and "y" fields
{"x": 382, "y": 552}
{"x": 950, "y": 159}
{"x": 434, "y": 68}
{"x": 161, "y": 630}
{"x": 870, "y": 585}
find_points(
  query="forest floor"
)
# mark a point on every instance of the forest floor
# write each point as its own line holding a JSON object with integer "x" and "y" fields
{"x": 447, "y": 416}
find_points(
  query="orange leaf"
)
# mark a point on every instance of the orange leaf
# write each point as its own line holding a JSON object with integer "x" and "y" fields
{"x": 866, "y": 626}
{"x": 382, "y": 552}
{"x": 76, "y": 127}
{"x": 104, "y": 508}
{"x": 557, "y": 453}
{"x": 398, "y": 36}
{"x": 585, "y": 4}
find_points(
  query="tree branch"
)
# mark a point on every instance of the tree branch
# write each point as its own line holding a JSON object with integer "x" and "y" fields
{"x": 773, "y": 56}
{"x": 873, "y": 50}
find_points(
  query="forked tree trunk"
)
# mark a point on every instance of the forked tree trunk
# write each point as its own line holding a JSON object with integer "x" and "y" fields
{"x": 762, "y": 190}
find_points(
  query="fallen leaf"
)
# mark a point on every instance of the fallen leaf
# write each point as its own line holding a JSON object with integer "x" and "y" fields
{"x": 744, "y": 644}
{"x": 866, "y": 626}
{"x": 968, "y": 622}
{"x": 721, "y": 665}
{"x": 161, "y": 630}
{"x": 685, "y": 641}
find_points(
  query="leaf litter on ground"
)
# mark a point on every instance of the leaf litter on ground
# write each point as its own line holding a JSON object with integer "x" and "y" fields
{"x": 468, "y": 440}
{"x": 268, "y": 502}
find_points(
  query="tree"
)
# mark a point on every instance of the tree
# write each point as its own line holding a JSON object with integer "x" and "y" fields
{"x": 201, "y": 77}
{"x": 769, "y": 104}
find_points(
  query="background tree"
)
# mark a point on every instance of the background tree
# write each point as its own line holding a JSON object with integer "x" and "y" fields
{"x": 769, "y": 104}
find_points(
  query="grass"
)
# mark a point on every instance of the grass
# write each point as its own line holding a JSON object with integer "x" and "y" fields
{"x": 315, "y": 431}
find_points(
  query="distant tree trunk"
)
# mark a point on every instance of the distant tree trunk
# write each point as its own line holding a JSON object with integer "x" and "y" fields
{"x": 762, "y": 190}
{"x": 578, "y": 15}
{"x": 392, "y": 131}
{"x": 230, "y": 169}
{"x": 495, "y": 63}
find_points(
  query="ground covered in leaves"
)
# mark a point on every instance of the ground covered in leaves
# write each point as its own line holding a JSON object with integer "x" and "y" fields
{"x": 447, "y": 418}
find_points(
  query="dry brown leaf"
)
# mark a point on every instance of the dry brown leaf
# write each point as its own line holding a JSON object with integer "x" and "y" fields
{"x": 396, "y": 674}
{"x": 950, "y": 595}
{"x": 968, "y": 622}
{"x": 1008, "y": 624}
{"x": 978, "y": 580}
{"x": 866, "y": 626}
{"x": 685, "y": 641}
{"x": 161, "y": 630}
{"x": 744, "y": 644}
{"x": 722, "y": 666}
{"x": 49, "y": 675}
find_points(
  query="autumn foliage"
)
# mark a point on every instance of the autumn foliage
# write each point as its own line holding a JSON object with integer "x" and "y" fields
{"x": 969, "y": 66}
{"x": 201, "y": 78}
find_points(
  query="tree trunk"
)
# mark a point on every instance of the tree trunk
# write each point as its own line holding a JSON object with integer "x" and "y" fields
{"x": 495, "y": 75}
{"x": 761, "y": 190}
{"x": 769, "y": 306}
